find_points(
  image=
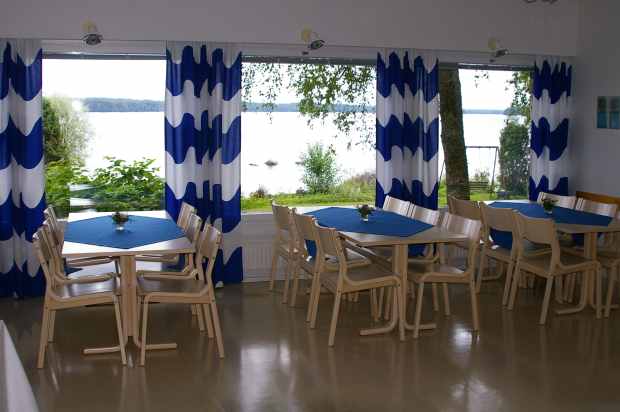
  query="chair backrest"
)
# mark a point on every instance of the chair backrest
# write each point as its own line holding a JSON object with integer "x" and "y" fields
{"x": 57, "y": 264}
{"x": 52, "y": 220}
{"x": 283, "y": 216}
{"x": 599, "y": 208}
{"x": 541, "y": 231}
{"x": 192, "y": 231}
{"x": 306, "y": 230}
{"x": 186, "y": 211}
{"x": 208, "y": 246}
{"x": 465, "y": 208}
{"x": 424, "y": 215}
{"x": 468, "y": 227}
{"x": 561, "y": 201}
{"x": 45, "y": 256}
{"x": 498, "y": 219}
{"x": 392, "y": 204}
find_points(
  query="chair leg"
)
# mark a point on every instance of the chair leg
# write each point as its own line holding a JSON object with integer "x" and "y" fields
{"x": 435, "y": 297}
{"x": 545, "y": 307}
{"x": 481, "y": 267}
{"x": 217, "y": 328}
{"x": 400, "y": 312}
{"x": 446, "y": 299}
{"x": 208, "y": 320}
{"x": 295, "y": 275}
{"x": 199, "y": 315}
{"x": 474, "y": 305}
{"x": 598, "y": 299}
{"x": 193, "y": 309}
{"x": 388, "y": 304}
{"x": 380, "y": 301}
{"x": 287, "y": 276}
{"x": 516, "y": 278}
{"x": 119, "y": 331}
{"x": 52, "y": 325}
{"x": 335, "y": 313}
{"x": 418, "y": 310}
{"x": 311, "y": 298}
{"x": 44, "y": 337}
{"x": 315, "y": 303}
{"x": 559, "y": 289}
{"x": 508, "y": 282}
{"x": 613, "y": 274}
{"x": 274, "y": 268}
{"x": 145, "y": 313}
{"x": 373, "y": 304}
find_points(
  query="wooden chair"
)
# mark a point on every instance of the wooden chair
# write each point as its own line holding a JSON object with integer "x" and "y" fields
{"x": 56, "y": 230}
{"x": 185, "y": 214}
{"x": 501, "y": 220}
{"x": 349, "y": 280}
{"x": 60, "y": 296}
{"x": 567, "y": 202}
{"x": 609, "y": 258}
{"x": 191, "y": 291}
{"x": 547, "y": 266}
{"x": 464, "y": 208}
{"x": 284, "y": 246}
{"x": 392, "y": 204}
{"x": 442, "y": 273}
{"x": 307, "y": 232}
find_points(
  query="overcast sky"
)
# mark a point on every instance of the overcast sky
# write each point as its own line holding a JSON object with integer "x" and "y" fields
{"x": 145, "y": 79}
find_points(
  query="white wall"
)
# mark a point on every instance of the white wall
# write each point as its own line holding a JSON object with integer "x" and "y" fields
{"x": 429, "y": 24}
{"x": 596, "y": 152}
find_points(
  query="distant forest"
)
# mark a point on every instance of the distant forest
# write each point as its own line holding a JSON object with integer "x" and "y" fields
{"x": 103, "y": 104}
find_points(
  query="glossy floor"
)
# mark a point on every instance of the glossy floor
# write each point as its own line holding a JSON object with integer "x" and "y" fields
{"x": 275, "y": 363}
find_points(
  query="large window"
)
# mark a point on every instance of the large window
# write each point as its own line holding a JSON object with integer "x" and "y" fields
{"x": 104, "y": 133}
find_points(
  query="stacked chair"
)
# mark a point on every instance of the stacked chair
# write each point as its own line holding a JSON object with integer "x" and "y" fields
{"x": 284, "y": 247}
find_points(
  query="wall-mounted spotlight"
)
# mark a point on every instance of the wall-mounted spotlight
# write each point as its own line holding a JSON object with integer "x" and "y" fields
{"x": 91, "y": 35}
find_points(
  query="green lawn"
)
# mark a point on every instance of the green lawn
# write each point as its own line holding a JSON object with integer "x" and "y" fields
{"x": 367, "y": 196}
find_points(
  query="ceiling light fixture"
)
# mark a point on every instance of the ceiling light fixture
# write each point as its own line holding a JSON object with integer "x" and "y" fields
{"x": 91, "y": 35}
{"x": 311, "y": 38}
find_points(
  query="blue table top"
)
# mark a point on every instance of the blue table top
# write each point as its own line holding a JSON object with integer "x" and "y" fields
{"x": 139, "y": 231}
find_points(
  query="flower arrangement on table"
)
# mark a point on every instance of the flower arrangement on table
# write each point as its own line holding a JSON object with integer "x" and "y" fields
{"x": 548, "y": 204}
{"x": 365, "y": 211}
{"x": 119, "y": 220}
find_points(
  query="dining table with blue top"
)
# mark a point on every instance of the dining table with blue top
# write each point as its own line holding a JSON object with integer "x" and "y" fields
{"x": 94, "y": 234}
{"x": 385, "y": 228}
{"x": 584, "y": 227}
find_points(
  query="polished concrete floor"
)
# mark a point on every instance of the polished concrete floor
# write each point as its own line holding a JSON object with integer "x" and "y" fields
{"x": 275, "y": 363}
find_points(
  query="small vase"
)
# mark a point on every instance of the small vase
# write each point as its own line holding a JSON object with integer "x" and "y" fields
{"x": 548, "y": 211}
{"x": 120, "y": 227}
{"x": 364, "y": 218}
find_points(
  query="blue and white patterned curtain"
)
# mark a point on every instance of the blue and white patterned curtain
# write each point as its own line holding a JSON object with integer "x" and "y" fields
{"x": 551, "y": 101}
{"x": 22, "y": 194}
{"x": 203, "y": 142}
{"x": 407, "y": 127}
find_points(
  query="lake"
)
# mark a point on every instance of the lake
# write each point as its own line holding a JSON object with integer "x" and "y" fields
{"x": 281, "y": 139}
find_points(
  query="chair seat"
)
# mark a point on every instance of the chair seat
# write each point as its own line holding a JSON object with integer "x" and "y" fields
{"x": 365, "y": 276}
{"x": 569, "y": 263}
{"x": 79, "y": 290}
{"x": 158, "y": 258}
{"x": 169, "y": 286}
{"x": 92, "y": 273}
{"x": 498, "y": 252}
{"x": 436, "y": 272}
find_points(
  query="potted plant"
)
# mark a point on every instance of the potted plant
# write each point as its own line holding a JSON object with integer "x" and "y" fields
{"x": 548, "y": 204}
{"x": 119, "y": 220}
{"x": 365, "y": 211}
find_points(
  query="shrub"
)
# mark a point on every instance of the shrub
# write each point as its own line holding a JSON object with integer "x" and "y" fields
{"x": 260, "y": 193}
{"x": 127, "y": 186}
{"x": 59, "y": 176}
{"x": 514, "y": 157}
{"x": 320, "y": 168}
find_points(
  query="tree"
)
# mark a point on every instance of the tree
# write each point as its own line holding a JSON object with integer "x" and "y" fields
{"x": 320, "y": 168}
{"x": 452, "y": 135}
{"x": 66, "y": 131}
{"x": 514, "y": 153}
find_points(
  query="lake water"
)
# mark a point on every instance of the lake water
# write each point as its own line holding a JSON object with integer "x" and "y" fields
{"x": 133, "y": 136}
